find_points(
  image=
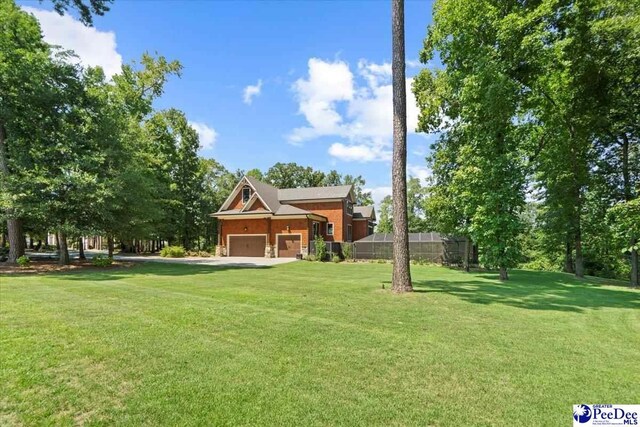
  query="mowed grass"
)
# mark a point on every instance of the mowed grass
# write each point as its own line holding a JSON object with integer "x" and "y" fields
{"x": 311, "y": 344}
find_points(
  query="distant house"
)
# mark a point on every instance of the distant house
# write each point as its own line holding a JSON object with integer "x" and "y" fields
{"x": 260, "y": 220}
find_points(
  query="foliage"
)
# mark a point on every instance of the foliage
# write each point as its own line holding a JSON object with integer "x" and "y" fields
{"x": 86, "y": 8}
{"x": 347, "y": 251}
{"x": 335, "y": 258}
{"x": 23, "y": 261}
{"x": 173, "y": 252}
{"x": 101, "y": 261}
{"x": 320, "y": 247}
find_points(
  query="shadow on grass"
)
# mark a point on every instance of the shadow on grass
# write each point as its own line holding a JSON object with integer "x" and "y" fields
{"x": 153, "y": 269}
{"x": 533, "y": 291}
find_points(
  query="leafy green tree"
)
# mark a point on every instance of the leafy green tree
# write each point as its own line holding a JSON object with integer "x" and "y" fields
{"x": 86, "y": 9}
{"x": 624, "y": 219}
{"x": 385, "y": 224}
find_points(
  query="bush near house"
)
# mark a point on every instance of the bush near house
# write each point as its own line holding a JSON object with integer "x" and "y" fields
{"x": 173, "y": 252}
{"x": 23, "y": 261}
{"x": 101, "y": 261}
{"x": 321, "y": 248}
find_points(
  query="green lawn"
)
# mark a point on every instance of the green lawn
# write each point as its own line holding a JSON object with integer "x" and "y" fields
{"x": 311, "y": 344}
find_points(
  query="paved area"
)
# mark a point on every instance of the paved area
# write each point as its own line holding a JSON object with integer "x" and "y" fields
{"x": 218, "y": 261}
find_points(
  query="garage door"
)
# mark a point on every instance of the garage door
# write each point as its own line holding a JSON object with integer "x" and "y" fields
{"x": 247, "y": 245}
{"x": 288, "y": 246}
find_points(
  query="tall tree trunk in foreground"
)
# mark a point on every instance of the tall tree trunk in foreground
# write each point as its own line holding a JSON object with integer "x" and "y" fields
{"x": 14, "y": 225}
{"x": 63, "y": 252}
{"x": 401, "y": 280}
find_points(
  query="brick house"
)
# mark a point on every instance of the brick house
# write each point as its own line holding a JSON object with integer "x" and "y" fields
{"x": 260, "y": 220}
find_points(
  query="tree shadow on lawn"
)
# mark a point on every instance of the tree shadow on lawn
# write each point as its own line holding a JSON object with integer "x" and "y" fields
{"x": 151, "y": 269}
{"x": 533, "y": 291}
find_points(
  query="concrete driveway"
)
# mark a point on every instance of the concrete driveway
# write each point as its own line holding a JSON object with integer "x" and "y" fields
{"x": 219, "y": 261}
{"x": 216, "y": 261}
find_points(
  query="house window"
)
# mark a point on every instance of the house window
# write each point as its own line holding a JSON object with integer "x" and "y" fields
{"x": 315, "y": 230}
{"x": 349, "y": 233}
{"x": 349, "y": 208}
{"x": 329, "y": 229}
{"x": 246, "y": 194}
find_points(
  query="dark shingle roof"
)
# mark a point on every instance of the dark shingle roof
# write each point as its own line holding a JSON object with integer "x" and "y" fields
{"x": 363, "y": 212}
{"x": 314, "y": 193}
{"x": 267, "y": 192}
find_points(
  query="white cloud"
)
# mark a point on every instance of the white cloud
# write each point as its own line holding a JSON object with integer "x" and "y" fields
{"x": 251, "y": 92}
{"x": 334, "y": 103}
{"x": 377, "y": 194}
{"x": 207, "y": 135}
{"x": 417, "y": 171}
{"x": 358, "y": 153}
{"x": 93, "y": 47}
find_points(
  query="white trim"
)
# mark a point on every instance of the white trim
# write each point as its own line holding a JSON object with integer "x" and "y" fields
{"x": 255, "y": 196}
{"x": 250, "y": 215}
{"x": 266, "y": 240}
{"x": 287, "y": 234}
{"x": 361, "y": 219}
{"x": 333, "y": 230}
{"x": 234, "y": 193}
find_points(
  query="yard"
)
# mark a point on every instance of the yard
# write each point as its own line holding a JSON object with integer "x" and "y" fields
{"x": 311, "y": 344}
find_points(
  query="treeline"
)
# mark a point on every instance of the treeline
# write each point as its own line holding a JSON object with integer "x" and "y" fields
{"x": 538, "y": 111}
{"x": 84, "y": 156}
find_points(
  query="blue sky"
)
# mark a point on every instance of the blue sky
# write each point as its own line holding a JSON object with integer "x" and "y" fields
{"x": 263, "y": 82}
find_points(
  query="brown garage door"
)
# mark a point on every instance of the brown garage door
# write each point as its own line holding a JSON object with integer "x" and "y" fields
{"x": 288, "y": 246}
{"x": 247, "y": 245}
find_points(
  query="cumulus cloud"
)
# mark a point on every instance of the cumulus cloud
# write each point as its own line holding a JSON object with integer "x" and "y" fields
{"x": 358, "y": 153}
{"x": 207, "y": 135}
{"x": 251, "y": 92}
{"x": 357, "y": 107}
{"x": 93, "y": 47}
{"x": 421, "y": 172}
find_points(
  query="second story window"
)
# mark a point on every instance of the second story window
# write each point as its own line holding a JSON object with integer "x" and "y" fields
{"x": 349, "y": 208}
{"x": 329, "y": 229}
{"x": 246, "y": 194}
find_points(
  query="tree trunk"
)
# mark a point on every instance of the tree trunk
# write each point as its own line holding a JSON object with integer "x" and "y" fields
{"x": 14, "y": 225}
{"x": 39, "y": 245}
{"x": 110, "y": 245}
{"x": 16, "y": 240}
{"x": 401, "y": 280}
{"x": 504, "y": 275}
{"x": 81, "y": 248}
{"x": 579, "y": 256}
{"x": 467, "y": 253}
{"x": 63, "y": 253}
{"x": 568, "y": 258}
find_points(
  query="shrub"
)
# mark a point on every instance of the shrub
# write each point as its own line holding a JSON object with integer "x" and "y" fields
{"x": 101, "y": 261}
{"x": 173, "y": 252}
{"x": 204, "y": 254}
{"x": 321, "y": 248}
{"x": 310, "y": 257}
{"x": 336, "y": 259}
{"x": 23, "y": 261}
{"x": 347, "y": 251}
